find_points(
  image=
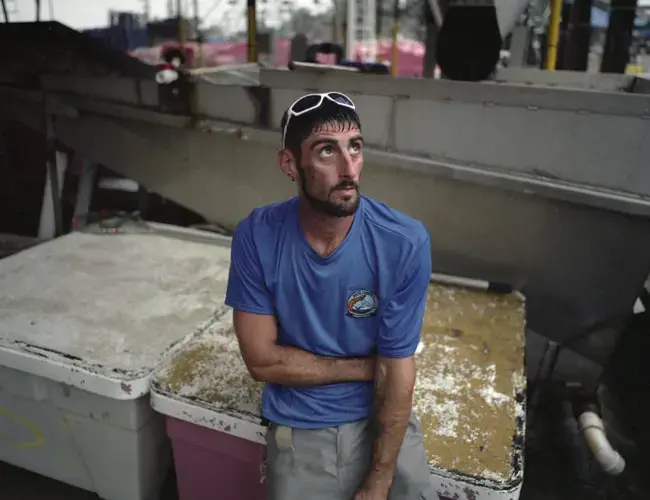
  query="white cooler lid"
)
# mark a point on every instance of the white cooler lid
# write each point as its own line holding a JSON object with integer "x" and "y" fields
{"x": 100, "y": 312}
{"x": 206, "y": 383}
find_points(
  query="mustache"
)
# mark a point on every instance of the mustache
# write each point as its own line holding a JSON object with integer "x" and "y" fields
{"x": 346, "y": 185}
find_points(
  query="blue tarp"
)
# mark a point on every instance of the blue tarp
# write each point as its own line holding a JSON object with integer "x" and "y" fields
{"x": 600, "y": 19}
{"x": 127, "y": 32}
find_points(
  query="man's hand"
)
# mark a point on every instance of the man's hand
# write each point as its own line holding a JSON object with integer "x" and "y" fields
{"x": 377, "y": 492}
{"x": 394, "y": 382}
{"x": 268, "y": 362}
{"x": 374, "y": 488}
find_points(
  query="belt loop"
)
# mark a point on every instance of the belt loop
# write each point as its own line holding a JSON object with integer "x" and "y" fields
{"x": 284, "y": 438}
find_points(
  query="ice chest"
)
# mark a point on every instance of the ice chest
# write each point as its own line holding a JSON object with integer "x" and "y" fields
{"x": 84, "y": 320}
{"x": 212, "y": 407}
{"x": 469, "y": 396}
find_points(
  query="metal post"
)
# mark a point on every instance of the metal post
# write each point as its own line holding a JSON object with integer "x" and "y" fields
{"x": 146, "y": 4}
{"x": 379, "y": 13}
{"x": 51, "y": 224}
{"x": 38, "y": 10}
{"x": 4, "y": 10}
{"x": 351, "y": 30}
{"x": 553, "y": 34}
{"x": 616, "y": 53}
{"x": 579, "y": 36}
{"x": 395, "y": 48}
{"x": 199, "y": 37}
{"x": 181, "y": 25}
{"x": 433, "y": 13}
{"x": 85, "y": 188}
{"x": 251, "y": 12}
{"x": 562, "y": 44}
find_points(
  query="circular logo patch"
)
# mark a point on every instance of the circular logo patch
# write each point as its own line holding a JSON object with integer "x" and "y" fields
{"x": 362, "y": 303}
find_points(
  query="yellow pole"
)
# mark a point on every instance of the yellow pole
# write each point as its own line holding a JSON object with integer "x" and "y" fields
{"x": 553, "y": 34}
{"x": 198, "y": 63}
{"x": 395, "y": 51}
{"x": 181, "y": 26}
{"x": 252, "y": 31}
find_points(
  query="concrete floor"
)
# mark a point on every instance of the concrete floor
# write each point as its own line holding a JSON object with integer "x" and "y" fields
{"x": 20, "y": 484}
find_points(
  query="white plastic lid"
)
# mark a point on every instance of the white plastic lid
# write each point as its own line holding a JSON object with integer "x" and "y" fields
{"x": 100, "y": 312}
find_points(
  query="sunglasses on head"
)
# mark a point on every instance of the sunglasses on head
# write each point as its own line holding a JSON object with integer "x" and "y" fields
{"x": 310, "y": 102}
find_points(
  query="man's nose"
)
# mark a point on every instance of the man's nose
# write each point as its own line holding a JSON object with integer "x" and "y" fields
{"x": 348, "y": 166}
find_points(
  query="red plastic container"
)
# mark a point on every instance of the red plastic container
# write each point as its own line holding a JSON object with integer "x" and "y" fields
{"x": 213, "y": 465}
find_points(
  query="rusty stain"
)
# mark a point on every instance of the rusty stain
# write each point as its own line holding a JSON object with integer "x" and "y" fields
{"x": 125, "y": 387}
{"x": 470, "y": 494}
{"x": 455, "y": 332}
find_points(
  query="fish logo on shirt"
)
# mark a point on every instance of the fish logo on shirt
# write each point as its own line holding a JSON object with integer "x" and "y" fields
{"x": 362, "y": 303}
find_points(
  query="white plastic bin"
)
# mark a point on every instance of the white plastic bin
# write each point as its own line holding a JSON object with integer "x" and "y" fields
{"x": 84, "y": 320}
{"x": 469, "y": 396}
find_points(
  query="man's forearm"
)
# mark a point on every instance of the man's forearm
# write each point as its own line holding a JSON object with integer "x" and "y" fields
{"x": 394, "y": 383}
{"x": 295, "y": 367}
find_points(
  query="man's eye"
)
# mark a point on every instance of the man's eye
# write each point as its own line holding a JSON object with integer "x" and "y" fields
{"x": 326, "y": 151}
{"x": 355, "y": 148}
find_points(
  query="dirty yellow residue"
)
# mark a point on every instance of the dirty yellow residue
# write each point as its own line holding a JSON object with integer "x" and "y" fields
{"x": 211, "y": 370}
{"x": 470, "y": 368}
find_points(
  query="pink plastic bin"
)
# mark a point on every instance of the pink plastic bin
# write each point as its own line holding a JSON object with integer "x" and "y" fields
{"x": 212, "y": 465}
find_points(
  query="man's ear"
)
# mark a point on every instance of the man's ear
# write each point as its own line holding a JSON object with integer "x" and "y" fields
{"x": 287, "y": 163}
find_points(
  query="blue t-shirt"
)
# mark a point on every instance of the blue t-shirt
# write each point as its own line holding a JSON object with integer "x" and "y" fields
{"x": 366, "y": 298}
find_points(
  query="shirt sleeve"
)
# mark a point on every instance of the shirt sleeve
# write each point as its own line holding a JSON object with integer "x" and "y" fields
{"x": 247, "y": 290}
{"x": 401, "y": 319}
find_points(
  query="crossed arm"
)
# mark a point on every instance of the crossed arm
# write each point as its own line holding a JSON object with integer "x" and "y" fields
{"x": 394, "y": 380}
{"x": 290, "y": 366}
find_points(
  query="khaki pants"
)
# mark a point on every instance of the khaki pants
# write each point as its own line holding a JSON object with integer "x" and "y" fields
{"x": 331, "y": 464}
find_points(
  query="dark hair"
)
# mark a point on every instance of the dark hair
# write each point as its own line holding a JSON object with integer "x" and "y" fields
{"x": 328, "y": 114}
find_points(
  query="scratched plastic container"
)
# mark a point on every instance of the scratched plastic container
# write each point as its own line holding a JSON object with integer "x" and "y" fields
{"x": 213, "y": 419}
{"x": 84, "y": 321}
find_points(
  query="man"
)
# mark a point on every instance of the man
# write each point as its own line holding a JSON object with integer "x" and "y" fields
{"x": 328, "y": 291}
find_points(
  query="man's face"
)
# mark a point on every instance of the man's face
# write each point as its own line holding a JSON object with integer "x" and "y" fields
{"x": 330, "y": 166}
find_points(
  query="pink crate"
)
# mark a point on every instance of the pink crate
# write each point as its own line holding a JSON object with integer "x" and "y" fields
{"x": 212, "y": 465}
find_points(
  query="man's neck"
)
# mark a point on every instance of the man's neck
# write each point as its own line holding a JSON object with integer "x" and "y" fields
{"x": 323, "y": 232}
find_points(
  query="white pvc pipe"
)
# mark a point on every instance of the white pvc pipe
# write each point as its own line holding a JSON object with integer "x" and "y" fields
{"x": 591, "y": 427}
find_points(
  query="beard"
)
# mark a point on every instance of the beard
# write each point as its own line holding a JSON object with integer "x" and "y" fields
{"x": 329, "y": 207}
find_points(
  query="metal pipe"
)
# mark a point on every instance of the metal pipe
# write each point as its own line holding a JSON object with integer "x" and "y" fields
{"x": 379, "y": 14}
{"x": 350, "y": 30}
{"x": 199, "y": 38}
{"x": 576, "y": 57}
{"x": 4, "y": 10}
{"x": 436, "y": 10}
{"x": 616, "y": 53}
{"x": 251, "y": 12}
{"x": 553, "y": 34}
{"x": 473, "y": 283}
{"x": 52, "y": 167}
{"x": 181, "y": 25}
{"x": 395, "y": 49}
